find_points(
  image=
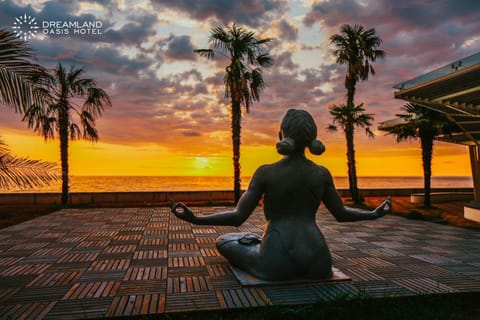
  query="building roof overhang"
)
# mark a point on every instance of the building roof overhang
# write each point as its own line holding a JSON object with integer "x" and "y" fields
{"x": 453, "y": 90}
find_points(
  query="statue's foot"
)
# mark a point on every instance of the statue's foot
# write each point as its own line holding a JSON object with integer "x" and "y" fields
{"x": 243, "y": 238}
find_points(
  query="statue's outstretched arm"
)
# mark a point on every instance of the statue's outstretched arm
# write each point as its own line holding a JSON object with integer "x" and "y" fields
{"x": 334, "y": 204}
{"x": 247, "y": 203}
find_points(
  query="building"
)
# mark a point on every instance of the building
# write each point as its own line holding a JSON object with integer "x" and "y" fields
{"x": 455, "y": 91}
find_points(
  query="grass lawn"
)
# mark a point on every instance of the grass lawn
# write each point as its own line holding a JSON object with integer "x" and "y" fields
{"x": 440, "y": 307}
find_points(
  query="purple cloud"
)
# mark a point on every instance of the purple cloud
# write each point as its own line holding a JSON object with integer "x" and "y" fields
{"x": 249, "y": 12}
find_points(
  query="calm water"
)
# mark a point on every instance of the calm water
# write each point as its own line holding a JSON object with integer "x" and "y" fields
{"x": 131, "y": 183}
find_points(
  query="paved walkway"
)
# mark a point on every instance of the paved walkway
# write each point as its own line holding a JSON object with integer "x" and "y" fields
{"x": 87, "y": 263}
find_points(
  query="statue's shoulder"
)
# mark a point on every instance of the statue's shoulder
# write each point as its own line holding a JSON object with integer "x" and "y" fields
{"x": 320, "y": 171}
{"x": 317, "y": 167}
{"x": 262, "y": 170}
{"x": 265, "y": 169}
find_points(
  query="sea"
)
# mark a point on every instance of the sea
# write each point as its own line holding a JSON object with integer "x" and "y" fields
{"x": 198, "y": 183}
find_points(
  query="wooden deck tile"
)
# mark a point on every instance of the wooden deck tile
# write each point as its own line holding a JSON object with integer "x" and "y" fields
{"x": 137, "y": 305}
{"x": 149, "y": 262}
{"x": 54, "y": 279}
{"x": 185, "y": 261}
{"x": 187, "y": 271}
{"x": 24, "y": 269}
{"x": 34, "y": 294}
{"x": 89, "y": 290}
{"x": 243, "y": 298}
{"x": 188, "y": 284}
{"x": 150, "y": 254}
{"x": 291, "y": 295}
{"x": 153, "y": 243}
{"x": 142, "y": 286}
{"x": 424, "y": 286}
{"x": 80, "y": 309}
{"x": 192, "y": 301}
{"x": 5, "y": 293}
{"x": 94, "y": 275}
{"x": 113, "y": 264}
{"x": 35, "y": 310}
{"x": 357, "y": 273}
{"x": 381, "y": 288}
{"x": 78, "y": 257}
{"x": 146, "y": 273}
{"x": 335, "y": 291}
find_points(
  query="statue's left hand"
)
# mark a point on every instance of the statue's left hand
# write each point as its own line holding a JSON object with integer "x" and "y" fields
{"x": 183, "y": 212}
{"x": 384, "y": 208}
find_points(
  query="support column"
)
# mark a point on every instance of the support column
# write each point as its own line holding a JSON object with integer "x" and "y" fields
{"x": 475, "y": 164}
{"x": 471, "y": 210}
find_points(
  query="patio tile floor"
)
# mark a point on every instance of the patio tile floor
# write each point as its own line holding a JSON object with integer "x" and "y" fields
{"x": 108, "y": 262}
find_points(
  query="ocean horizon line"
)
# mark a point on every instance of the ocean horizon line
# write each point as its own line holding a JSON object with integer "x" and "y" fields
{"x": 94, "y": 183}
{"x": 230, "y": 176}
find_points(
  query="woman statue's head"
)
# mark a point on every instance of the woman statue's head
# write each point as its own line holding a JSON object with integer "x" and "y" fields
{"x": 298, "y": 131}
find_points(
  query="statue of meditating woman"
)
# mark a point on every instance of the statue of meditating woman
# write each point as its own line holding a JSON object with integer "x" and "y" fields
{"x": 292, "y": 246}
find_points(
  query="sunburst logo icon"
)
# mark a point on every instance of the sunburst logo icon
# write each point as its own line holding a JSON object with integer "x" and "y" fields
{"x": 25, "y": 27}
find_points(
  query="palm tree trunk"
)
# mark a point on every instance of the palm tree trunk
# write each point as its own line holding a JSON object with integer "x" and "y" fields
{"x": 350, "y": 83}
{"x": 63, "y": 133}
{"x": 236, "y": 130}
{"x": 427, "y": 153}
{"x": 350, "y": 86}
{"x": 352, "y": 170}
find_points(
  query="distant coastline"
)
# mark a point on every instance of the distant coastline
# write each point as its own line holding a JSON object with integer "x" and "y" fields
{"x": 201, "y": 183}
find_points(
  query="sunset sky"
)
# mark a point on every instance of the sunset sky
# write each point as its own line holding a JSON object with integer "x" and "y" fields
{"x": 169, "y": 113}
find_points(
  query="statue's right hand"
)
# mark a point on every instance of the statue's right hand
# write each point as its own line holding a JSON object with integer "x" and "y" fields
{"x": 384, "y": 208}
{"x": 180, "y": 210}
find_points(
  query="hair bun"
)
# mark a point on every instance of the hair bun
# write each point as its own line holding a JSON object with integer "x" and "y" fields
{"x": 286, "y": 146}
{"x": 316, "y": 147}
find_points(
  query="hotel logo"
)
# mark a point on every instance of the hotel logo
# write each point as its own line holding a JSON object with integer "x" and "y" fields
{"x": 25, "y": 27}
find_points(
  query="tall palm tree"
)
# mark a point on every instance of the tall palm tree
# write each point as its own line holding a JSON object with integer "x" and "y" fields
{"x": 64, "y": 117}
{"x": 347, "y": 117}
{"x": 357, "y": 48}
{"x": 19, "y": 79}
{"x": 243, "y": 78}
{"x": 425, "y": 124}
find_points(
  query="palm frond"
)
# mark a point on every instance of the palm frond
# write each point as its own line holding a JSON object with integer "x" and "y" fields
{"x": 264, "y": 60}
{"x": 96, "y": 101}
{"x": 88, "y": 124}
{"x": 18, "y": 73}
{"x": 208, "y": 53}
{"x": 332, "y": 127}
{"x": 75, "y": 132}
{"x": 21, "y": 172}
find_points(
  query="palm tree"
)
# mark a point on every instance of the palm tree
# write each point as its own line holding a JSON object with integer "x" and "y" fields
{"x": 357, "y": 48}
{"x": 243, "y": 79}
{"x": 347, "y": 117}
{"x": 425, "y": 124}
{"x": 62, "y": 115}
{"x": 19, "y": 79}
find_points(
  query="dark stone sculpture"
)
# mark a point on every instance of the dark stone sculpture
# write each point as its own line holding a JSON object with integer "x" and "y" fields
{"x": 292, "y": 246}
